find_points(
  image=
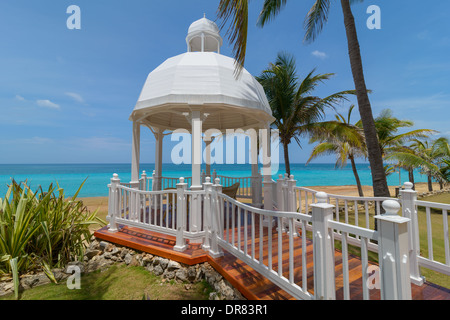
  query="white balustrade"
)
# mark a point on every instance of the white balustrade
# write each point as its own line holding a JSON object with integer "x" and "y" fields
{"x": 224, "y": 224}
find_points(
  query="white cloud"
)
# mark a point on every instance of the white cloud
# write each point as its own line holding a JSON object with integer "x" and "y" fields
{"x": 75, "y": 96}
{"x": 47, "y": 104}
{"x": 319, "y": 54}
{"x": 20, "y": 98}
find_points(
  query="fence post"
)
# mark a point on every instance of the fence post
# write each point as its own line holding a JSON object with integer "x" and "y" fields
{"x": 114, "y": 200}
{"x": 408, "y": 198}
{"x": 291, "y": 199}
{"x": 279, "y": 195}
{"x": 202, "y": 176}
{"x": 216, "y": 220}
{"x": 207, "y": 186}
{"x": 395, "y": 282}
{"x": 257, "y": 190}
{"x": 144, "y": 181}
{"x": 323, "y": 249}
{"x": 180, "y": 245}
{"x": 268, "y": 193}
{"x": 153, "y": 180}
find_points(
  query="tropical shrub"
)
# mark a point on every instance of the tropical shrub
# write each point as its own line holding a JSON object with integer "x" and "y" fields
{"x": 42, "y": 230}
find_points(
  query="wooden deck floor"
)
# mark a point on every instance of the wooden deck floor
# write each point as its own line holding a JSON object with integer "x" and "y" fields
{"x": 250, "y": 283}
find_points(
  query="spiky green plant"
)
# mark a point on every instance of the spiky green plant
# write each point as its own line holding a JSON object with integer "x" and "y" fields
{"x": 41, "y": 230}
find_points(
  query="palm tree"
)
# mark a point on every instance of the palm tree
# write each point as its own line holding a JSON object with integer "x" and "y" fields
{"x": 394, "y": 146}
{"x": 430, "y": 156}
{"x": 237, "y": 12}
{"x": 342, "y": 139}
{"x": 388, "y": 127}
{"x": 291, "y": 100}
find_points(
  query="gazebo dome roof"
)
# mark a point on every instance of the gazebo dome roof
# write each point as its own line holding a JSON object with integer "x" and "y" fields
{"x": 202, "y": 81}
{"x": 205, "y": 25}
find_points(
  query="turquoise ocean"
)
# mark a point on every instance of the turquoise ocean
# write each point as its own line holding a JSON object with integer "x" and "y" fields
{"x": 71, "y": 176}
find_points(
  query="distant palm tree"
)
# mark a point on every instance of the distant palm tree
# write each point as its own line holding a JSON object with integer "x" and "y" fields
{"x": 394, "y": 145}
{"x": 342, "y": 139}
{"x": 445, "y": 170}
{"x": 388, "y": 128}
{"x": 237, "y": 12}
{"x": 293, "y": 105}
{"x": 432, "y": 157}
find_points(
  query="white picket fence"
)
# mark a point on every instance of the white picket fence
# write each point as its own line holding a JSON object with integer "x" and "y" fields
{"x": 221, "y": 223}
{"x": 360, "y": 211}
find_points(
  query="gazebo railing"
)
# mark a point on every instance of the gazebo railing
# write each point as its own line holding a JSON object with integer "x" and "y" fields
{"x": 245, "y": 191}
{"x": 163, "y": 211}
{"x": 265, "y": 238}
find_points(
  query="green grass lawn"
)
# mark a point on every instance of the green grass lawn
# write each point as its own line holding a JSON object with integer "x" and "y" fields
{"x": 437, "y": 224}
{"x": 119, "y": 283}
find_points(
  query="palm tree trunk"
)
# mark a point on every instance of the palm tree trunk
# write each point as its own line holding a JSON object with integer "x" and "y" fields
{"x": 430, "y": 183}
{"x": 355, "y": 172}
{"x": 411, "y": 177}
{"x": 380, "y": 186}
{"x": 286, "y": 158}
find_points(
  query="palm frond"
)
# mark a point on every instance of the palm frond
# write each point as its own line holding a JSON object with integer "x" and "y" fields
{"x": 235, "y": 12}
{"x": 316, "y": 19}
{"x": 270, "y": 10}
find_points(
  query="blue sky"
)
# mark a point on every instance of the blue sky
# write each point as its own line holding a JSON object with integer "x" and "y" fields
{"x": 66, "y": 95}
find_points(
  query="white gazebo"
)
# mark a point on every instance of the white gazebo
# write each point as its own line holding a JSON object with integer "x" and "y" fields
{"x": 198, "y": 91}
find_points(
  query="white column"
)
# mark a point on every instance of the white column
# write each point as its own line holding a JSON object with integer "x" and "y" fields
{"x": 256, "y": 177}
{"x": 135, "y": 155}
{"x": 196, "y": 150}
{"x": 208, "y": 157}
{"x": 159, "y": 137}
{"x": 267, "y": 170}
{"x": 197, "y": 154}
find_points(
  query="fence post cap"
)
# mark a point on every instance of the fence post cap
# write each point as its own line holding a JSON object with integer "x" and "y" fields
{"x": 391, "y": 207}
{"x": 321, "y": 197}
{"x": 181, "y": 180}
{"x": 217, "y": 181}
{"x": 280, "y": 176}
{"x": 408, "y": 185}
{"x": 291, "y": 177}
{"x": 208, "y": 179}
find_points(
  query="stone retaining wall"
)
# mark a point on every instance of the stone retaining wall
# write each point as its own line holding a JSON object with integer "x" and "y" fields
{"x": 102, "y": 255}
